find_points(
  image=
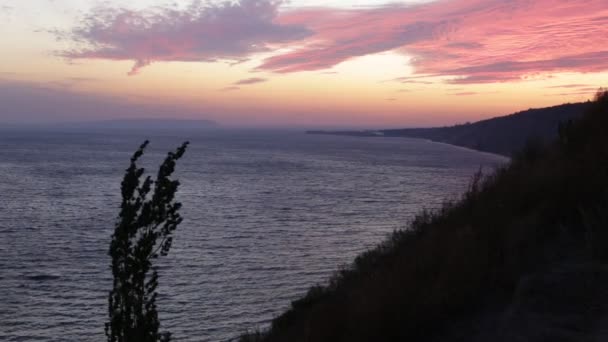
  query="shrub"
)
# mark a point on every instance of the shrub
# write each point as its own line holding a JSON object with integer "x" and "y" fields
{"x": 145, "y": 219}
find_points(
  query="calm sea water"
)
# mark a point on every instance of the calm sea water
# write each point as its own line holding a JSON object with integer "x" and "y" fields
{"x": 266, "y": 215}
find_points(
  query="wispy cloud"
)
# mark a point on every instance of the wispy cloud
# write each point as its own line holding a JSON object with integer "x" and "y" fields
{"x": 575, "y": 93}
{"x": 249, "y": 81}
{"x": 569, "y": 86}
{"x": 231, "y": 88}
{"x": 409, "y": 80}
{"x": 6, "y": 14}
{"x": 575, "y": 89}
{"x": 464, "y": 93}
{"x": 6, "y": 9}
{"x": 467, "y": 41}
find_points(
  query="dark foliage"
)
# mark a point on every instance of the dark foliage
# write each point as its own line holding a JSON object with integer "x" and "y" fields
{"x": 448, "y": 262}
{"x": 148, "y": 216}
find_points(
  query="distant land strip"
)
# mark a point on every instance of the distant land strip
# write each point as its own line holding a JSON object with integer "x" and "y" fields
{"x": 501, "y": 135}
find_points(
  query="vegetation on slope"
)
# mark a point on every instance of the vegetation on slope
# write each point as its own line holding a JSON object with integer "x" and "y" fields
{"x": 502, "y": 135}
{"x": 448, "y": 262}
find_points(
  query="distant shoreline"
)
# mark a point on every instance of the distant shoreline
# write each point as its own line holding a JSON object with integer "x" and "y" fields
{"x": 504, "y": 135}
{"x": 363, "y": 135}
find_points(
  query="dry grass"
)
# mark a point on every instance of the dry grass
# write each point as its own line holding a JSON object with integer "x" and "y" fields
{"x": 449, "y": 261}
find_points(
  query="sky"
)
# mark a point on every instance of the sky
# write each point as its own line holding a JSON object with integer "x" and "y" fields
{"x": 299, "y": 63}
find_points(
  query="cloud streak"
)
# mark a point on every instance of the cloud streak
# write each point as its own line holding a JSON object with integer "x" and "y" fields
{"x": 230, "y": 88}
{"x": 468, "y": 41}
{"x": 249, "y": 81}
{"x": 464, "y": 93}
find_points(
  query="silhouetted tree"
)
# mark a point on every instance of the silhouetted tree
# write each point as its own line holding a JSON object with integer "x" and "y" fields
{"x": 143, "y": 231}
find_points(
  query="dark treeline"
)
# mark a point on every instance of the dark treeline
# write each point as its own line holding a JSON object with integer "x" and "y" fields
{"x": 548, "y": 206}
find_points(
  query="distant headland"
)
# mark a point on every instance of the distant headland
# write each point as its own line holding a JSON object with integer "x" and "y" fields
{"x": 130, "y": 125}
{"x": 148, "y": 123}
{"x": 501, "y": 135}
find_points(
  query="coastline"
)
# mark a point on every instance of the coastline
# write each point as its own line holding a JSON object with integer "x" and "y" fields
{"x": 364, "y": 135}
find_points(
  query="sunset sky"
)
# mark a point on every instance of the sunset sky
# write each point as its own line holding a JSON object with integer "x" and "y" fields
{"x": 304, "y": 63}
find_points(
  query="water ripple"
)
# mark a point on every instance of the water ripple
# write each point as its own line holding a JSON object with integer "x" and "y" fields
{"x": 267, "y": 215}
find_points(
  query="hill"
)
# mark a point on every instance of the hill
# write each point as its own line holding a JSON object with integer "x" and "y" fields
{"x": 522, "y": 256}
{"x": 502, "y": 135}
{"x": 130, "y": 125}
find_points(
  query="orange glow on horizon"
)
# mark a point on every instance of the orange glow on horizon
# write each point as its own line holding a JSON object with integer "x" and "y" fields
{"x": 326, "y": 70}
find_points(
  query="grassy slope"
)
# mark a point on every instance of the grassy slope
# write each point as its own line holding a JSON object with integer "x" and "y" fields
{"x": 449, "y": 262}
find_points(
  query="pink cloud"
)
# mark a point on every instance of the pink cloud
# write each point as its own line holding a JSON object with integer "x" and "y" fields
{"x": 474, "y": 41}
{"x": 204, "y": 32}
{"x": 470, "y": 41}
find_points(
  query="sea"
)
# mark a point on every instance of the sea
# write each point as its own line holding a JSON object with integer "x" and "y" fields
{"x": 267, "y": 214}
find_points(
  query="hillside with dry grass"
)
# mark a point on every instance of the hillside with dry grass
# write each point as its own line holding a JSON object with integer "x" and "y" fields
{"x": 521, "y": 256}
